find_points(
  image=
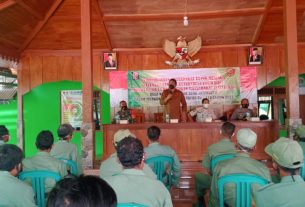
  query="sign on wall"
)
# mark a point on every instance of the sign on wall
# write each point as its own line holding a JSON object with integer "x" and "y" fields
{"x": 71, "y": 107}
{"x": 219, "y": 85}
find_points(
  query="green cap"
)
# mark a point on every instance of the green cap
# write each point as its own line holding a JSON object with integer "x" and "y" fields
{"x": 286, "y": 152}
{"x": 301, "y": 131}
{"x": 121, "y": 134}
{"x": 246, "y": 138}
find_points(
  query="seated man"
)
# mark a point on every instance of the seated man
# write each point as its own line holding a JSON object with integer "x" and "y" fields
{"x": 300, "y": 133}
{"x": 123, "y": 114}
{"x": 13, "y": 191}
{"x": 287, "y": 156}
{"x": 64, "y": 148}
{"x": 202, "y": 113}
{"x": 4, "y": 135}
{"x": 43, "y": 160}
{"x": 224, "y": 146}
{"x": 111, "y": 166}
{"x": 241, "y": 163}
{"x": 242, "y": 113}
{"x": 155, "y": 149}
{"x": 89, "y": 191}
{"x": 132, "y": 185}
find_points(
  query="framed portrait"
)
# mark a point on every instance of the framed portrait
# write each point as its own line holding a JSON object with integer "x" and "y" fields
{"x": 110, "y": 61}
{"x": 255, "y": 55}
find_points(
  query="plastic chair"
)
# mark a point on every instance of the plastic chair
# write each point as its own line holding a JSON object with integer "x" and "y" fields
{"x": 159, "y": 166}
{"x": 71, "y": 164}
{"x": 218, "y": 158}
{"x": 243, "y": 184}
{"x": 130, "y": 205}
{"x": 37, "y": 179}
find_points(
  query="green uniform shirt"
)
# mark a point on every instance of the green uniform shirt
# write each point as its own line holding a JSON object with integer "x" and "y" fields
{"x": 224, "y": 146}
{"x": 241, "y": 163}
{"x": 132, "y": 185}
{"x": 66, "y": 150}
{"x": 44, "y": 161}
{"x": 155, "y": 149}
{"x": 15, "y": 193}
{"x": 111, "y": 166}
{"x": 287, "y": 193}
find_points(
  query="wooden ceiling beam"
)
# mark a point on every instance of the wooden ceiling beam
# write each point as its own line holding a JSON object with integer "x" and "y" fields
{"x": 261, "y": 23}
{"x": 98, "y": 7}
{"x": 30, "y": 9}
{"x": 7, "y": 4}
{"x": 192, "y": 15}
{"x": 40, "y": 24}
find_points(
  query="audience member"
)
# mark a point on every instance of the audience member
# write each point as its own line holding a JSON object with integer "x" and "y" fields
{"x": 111, "y": 166}
{"x": 155, "y": 149}
{"x": 132, "y": 185}
{"x": 89, "y": 191}
{"x": 202, "y": 113}
{"x": 43, "y": 160}
{"x": 13, "y": 191}
{"x": 4, "y": 135}
{"x": 241, "y": 163}
{"x": 64, "y": 148}
{"x": 287, "y": 156}
{"x": 300, "y": 133}
{"x": 224, "y": 146}
{"x": 244, "y": 112}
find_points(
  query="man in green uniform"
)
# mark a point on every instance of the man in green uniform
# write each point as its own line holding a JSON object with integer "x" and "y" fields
{"x": 4, "y": 135}
{"x": 43, "y": 160}
{"x": 224, "y": 146}
{"x": 155, "y": 149}
{"x": 65, "y": 149}
{"x": 241, "y": 163}
{"x": 287, "y": 157}
{"x": 132, "y": 185}
{"x": 13, "y": 192}
{"x": 300, "y": 132}
{"x": 111, "y": 166}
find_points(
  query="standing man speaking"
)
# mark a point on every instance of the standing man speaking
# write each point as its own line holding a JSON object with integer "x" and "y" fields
{"x": 171, "y": 98}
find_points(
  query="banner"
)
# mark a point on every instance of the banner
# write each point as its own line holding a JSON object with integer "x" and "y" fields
{"x": 71, "y": 107}
{"x": 219, "y": 85}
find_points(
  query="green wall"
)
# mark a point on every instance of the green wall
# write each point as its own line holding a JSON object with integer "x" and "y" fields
{"x": 41, "y": 111}
{"x": 281, "y": 82}
{"x": 8, "y": 117}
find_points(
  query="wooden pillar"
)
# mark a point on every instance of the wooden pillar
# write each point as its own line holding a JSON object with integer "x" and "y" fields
{"x": 88, "y": 131}
{"x": 291, "y": 65}
{"x": 20, "y": 135}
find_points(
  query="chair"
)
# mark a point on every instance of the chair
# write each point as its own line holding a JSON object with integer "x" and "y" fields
{"x": 37, "y": 179}
{"x": 130, "y": 205}
{"x": 218, "y": 158}
{"x": 71, "y": 164}
{"x": 243, "y": 184}
{"x": 159, "y": 165}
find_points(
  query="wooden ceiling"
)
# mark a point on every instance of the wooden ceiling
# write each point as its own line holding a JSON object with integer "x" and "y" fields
{"x": 120, "y": 24}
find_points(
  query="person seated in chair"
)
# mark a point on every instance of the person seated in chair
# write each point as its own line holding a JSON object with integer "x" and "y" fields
{"x": 156, "y": 149}
{"x": 89, "y": 191}
{"x": 224, "y": 146}
{"x": 111, "y": 166}
{"x": 13, "y": 191}
{"x": 123, "y": 114}
{"x": 43, "y": 160}
{"x": 65, "y": 149}
{"x": 202, "y": 113}
{"x": 244, "y": 112}
{"x": 4, "y": 135}
{"x": 132, "y": 185}
{"x": 287, "y": 156}
{"x": 242, "y": 163}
